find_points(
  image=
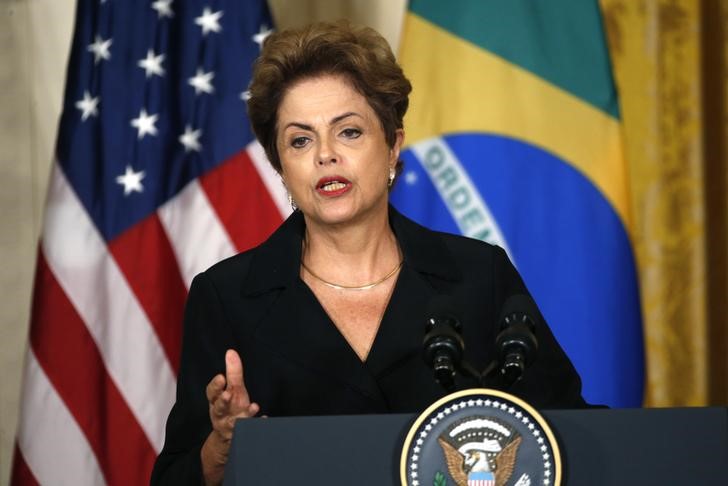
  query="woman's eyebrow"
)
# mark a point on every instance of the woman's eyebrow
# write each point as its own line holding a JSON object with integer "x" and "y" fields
{"x": 338, "y": 118}
{"x": 333, "y": 121}
{"x": 300, "y": 125}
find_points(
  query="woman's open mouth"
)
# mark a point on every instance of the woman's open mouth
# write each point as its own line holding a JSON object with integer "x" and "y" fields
{"x": 333, "y": 186}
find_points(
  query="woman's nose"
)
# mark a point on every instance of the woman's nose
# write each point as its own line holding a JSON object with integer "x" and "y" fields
{"x": 327, "y": 152}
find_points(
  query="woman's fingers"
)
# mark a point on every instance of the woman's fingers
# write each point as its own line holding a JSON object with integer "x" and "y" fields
{"x": 234, "y": 377}
{"x": 228, "y": 397}
{"x": 221, "y": 406}
{"x": 215, "y": 387}
{"x": 252, "y": 410}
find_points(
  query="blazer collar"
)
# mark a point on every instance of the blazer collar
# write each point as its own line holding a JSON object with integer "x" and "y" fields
{"x": 276, "y": 263}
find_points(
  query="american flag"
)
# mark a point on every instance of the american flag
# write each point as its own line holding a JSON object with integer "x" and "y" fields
{"x": 157, "y": 176}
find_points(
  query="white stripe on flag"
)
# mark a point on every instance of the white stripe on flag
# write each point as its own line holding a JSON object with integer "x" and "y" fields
{"x": 51, "y": 442}
{"x": 197, "y": 236}
{"x": 132, "y": 353}
{"x": 270, "y": 178}
{"x": 458, "y": 191}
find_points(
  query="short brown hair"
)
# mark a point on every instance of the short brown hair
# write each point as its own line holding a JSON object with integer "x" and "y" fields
{"x": 359, "y": 53}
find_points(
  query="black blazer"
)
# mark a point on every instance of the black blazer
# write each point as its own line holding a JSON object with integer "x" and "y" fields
{"x": 297, "y": 363}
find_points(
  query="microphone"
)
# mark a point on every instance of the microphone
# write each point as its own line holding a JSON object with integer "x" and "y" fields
{"x": 443, "y": 345}
{"x": 516, "y": 343}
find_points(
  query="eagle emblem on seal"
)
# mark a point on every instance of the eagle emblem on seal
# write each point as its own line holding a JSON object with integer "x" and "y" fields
{"x": 480, "y": 451}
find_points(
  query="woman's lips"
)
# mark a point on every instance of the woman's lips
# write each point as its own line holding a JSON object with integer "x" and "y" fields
{"x": 333, "y": 186}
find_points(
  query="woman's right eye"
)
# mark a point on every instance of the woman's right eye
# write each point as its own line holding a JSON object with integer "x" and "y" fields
{"x": 299, "y": 142}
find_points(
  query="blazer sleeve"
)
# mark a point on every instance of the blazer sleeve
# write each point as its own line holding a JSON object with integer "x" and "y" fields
{"x": 551, "y": 381}
{"x": 206, "y": 337}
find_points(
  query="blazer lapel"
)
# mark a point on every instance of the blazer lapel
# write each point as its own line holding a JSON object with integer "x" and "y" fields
{"x": 400, "y": 333}
{"x": 429, "y": 270}
{"x": 294, "y": 324}
{"x": 299, "y": 329}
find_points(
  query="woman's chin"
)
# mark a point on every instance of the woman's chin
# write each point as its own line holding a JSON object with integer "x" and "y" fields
{"x": 335, "y": 216}
{"x": 341, "y": 212}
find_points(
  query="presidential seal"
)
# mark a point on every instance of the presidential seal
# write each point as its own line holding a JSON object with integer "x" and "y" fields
{"x": 480, "y": 437}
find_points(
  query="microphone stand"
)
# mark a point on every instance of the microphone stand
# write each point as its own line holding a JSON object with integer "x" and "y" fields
{"x": 491, "y": 377}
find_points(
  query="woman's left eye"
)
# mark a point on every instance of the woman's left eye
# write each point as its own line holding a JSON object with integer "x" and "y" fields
{"x": 351, "y": 133}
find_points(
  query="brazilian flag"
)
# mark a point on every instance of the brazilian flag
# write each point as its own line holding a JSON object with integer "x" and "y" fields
{"x": 514, "y": 138}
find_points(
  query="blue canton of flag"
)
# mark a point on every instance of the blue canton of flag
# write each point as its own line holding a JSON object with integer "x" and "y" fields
{"x": 157, "y": 176}
{"x": 154, "y": 99}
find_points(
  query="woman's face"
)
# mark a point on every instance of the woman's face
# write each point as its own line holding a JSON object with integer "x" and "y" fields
{"x": 334, "y": 158}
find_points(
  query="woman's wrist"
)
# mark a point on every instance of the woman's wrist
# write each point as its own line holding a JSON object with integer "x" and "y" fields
{"x": 213, "y": 455}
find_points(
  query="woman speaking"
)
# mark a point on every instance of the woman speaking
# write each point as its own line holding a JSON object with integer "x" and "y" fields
{"x": 328, "y": 315}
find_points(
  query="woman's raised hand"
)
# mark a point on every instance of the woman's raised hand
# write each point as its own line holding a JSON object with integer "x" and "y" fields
{"x": 229, "y": 401}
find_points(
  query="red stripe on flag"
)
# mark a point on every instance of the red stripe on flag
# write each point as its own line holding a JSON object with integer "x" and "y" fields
{"x": 241, "y": 201}
{"x": 69, "y": 357}
{"x": 22, "y": 475}
{"x": 147, "y": 260}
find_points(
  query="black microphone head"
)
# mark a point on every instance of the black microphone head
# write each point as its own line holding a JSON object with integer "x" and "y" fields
{"x": 520, "y": 305}
{"x": 516, "y": 342}
{"x": 443, "y": 345}
{"x": 440, "y": 311}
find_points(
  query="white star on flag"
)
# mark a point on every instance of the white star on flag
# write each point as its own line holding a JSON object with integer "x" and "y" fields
{"x": 152, "y": 64}
{"x": 209, "y": 20}
{"x": 145, "y": 124}
{"x": 132, "y": 181}
{"x": 261, "y": 35}
{"x": 100, "y": 49}
{"x": 88, "y": 105}
{"x": 191, "y": 139}
{"x": 410, "y": 178}
{"x": 202, "y": 81}
{"x": 163, "y": 8}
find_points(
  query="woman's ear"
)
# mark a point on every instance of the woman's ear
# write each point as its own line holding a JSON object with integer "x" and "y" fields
{"x": 397, "y": 146}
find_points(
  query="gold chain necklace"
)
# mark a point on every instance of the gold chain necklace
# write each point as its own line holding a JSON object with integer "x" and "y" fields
{"x": 347, "y": 287}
